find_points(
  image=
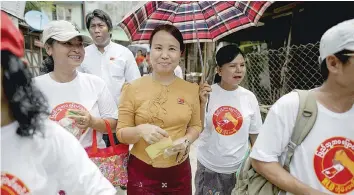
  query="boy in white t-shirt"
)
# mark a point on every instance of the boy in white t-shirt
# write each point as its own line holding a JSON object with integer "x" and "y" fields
{"x": 324, "y": 162}
{"x": 232, "y": 117}
{"x": 37, "y": 156}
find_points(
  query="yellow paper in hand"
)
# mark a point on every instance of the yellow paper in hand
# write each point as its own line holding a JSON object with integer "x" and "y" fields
{"x": 70, "y": 113}
{"x": 156, "y": 149}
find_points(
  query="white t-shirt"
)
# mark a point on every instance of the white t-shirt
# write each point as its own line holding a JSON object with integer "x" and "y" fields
{"x": 50, "y": 161}
{"x": 116, "y": 65}
{"x": 178, "y": 72}
{"x": 230, "y": 118}
{"x": 85, "y": 92}
{"x": 312, "y": 163}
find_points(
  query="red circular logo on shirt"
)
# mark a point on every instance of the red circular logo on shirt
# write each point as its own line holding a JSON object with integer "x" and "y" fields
{"x": 227, "y": 120}
{"x": 11, "y": 185}
{"x": 60, "y": 111}
{"x": 334, "y": 165}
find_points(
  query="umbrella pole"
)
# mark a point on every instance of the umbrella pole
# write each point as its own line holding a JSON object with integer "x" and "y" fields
{"x": 199, "y": 50}
{"x": 200, "y": 55}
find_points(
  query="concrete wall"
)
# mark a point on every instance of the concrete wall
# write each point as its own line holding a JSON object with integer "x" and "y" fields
{"x": 62, "y": 12}
{"x": 116, "y": 9}
{"x": 76, "y": 13}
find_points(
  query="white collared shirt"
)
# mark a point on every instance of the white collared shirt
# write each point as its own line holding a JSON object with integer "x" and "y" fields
{"x": 116, "y": 65}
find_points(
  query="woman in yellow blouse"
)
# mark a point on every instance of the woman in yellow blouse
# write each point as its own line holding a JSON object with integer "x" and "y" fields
{"x": 157, "y": 107}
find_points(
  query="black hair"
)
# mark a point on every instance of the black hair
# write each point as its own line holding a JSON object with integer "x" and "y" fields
{"x": 101, "y": 15}
{"x": 27, "y": 104}
{"x": 172, "y": 30}
{"x": 225, "y": 55}
{"x": 341, "y": 57}
{"x": 48, "y": 62}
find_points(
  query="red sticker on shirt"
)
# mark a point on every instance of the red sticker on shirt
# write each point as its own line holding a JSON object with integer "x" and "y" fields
{"x": 180, "y": 100}
{"x": 227, "y": 120}
{"x": 11, "y": 185}
{"x": 334, "y": 165}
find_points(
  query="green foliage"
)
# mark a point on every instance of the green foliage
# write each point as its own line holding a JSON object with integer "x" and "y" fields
{"x": 37, "y": 5}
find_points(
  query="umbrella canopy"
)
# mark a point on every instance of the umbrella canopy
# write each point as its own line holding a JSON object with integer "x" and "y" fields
{"x": 212, "y": 20}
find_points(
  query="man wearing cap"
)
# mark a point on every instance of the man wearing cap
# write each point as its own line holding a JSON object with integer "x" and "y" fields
{"x": 324, "y": 162}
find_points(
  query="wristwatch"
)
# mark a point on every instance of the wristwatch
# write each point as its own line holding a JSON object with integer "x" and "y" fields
{"x": 186, "y": 141}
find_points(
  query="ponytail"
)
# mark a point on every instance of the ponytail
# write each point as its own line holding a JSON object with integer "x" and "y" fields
{"x": 48, "y": 62}
{"x": 47, "y": 65}
{"x": 217, "y": 78}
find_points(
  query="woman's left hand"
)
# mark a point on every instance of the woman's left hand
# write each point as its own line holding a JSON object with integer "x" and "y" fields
{"x": 81, "y": 117}
{"x": 180, "y": 147}
{"x": 204, "y": 91}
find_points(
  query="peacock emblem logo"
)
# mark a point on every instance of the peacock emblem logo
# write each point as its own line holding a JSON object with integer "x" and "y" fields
{"x": 227, "y": 120}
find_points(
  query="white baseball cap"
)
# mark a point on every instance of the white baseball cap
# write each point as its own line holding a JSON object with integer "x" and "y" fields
{"x": 337, "y": 38}
{"x": 62, "y": 30}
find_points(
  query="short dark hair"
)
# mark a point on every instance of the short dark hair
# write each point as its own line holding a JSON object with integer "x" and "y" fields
{"x": 225, "y": 55}
{"x": 48, "y": 62}
{"x": 101, "y": 15}
{"x": 172, "y": 30}
{"x": 341, "y": 57}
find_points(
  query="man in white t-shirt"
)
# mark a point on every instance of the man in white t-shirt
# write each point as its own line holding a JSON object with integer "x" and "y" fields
{"x": 324, "y": 162}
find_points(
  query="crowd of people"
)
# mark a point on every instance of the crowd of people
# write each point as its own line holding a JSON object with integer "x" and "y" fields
{"x": 43, "y": 147}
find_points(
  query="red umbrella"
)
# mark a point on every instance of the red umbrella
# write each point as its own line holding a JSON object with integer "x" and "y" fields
{"x": 212, "y": 20}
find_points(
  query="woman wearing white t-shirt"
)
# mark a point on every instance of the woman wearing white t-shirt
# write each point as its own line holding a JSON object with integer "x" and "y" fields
{"x": 37, "y": 156}
{"x": 78, "y": 101}
{"x": 232, "y": 118}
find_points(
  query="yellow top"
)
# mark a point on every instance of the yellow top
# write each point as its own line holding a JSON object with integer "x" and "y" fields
{"x": 173, "y": 108}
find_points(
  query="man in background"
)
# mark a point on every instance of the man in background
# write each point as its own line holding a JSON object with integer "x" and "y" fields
{"x": 114, "y": 63}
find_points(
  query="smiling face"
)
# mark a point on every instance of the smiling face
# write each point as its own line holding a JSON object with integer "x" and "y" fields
{"x": 67, "y": 55}
{"x": 165, "y": 53}
{"x": 233, "y": 73}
